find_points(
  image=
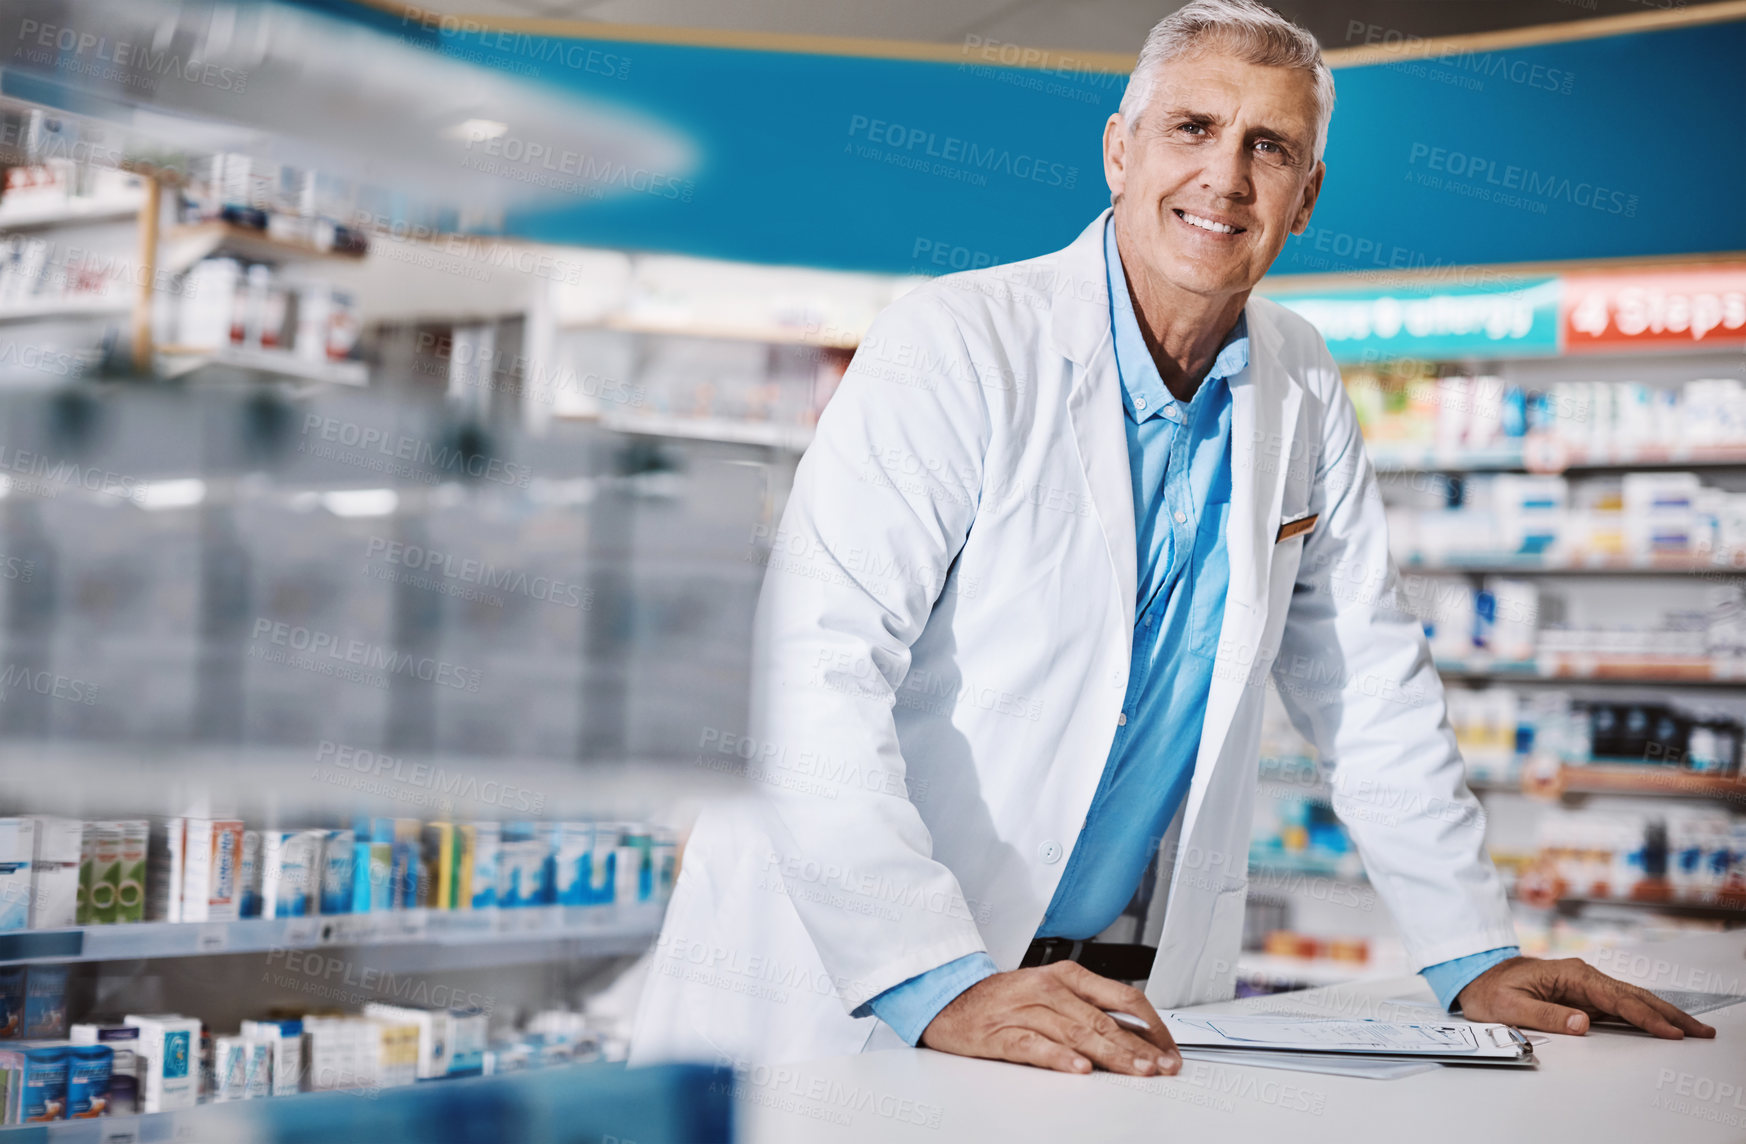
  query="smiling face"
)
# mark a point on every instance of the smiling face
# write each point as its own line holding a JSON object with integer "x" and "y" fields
{"x": 1217, "y": 170}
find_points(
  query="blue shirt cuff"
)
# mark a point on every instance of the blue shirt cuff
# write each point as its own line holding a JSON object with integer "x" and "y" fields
{"x": 910, "y": 1007}
{"x": 1448, "y": 978}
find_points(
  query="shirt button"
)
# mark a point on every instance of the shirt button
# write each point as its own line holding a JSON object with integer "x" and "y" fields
{"x": 1181, "y": 518}
{"x": 1171, "y": 413}
{"x": 1139, "y": 403}
{"x": 1049, "y": 851}
{"x": 1122, "y": 719}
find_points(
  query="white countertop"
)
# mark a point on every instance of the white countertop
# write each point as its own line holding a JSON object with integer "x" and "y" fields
{"x": 1612, "y": 1085}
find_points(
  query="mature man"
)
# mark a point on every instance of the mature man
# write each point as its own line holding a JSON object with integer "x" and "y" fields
{"x": 1059, "y": 526}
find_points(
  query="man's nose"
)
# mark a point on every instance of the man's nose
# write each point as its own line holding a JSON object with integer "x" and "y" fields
{"x": 1226, "y": 173}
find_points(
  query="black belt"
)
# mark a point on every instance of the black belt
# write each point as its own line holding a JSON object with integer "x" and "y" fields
{"x": 1118, "y": 960}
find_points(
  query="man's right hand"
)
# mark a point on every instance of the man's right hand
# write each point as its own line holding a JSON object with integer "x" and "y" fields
{"x": 1056, "y": 1017}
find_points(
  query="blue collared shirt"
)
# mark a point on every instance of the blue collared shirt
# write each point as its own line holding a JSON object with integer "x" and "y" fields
{"x": 1179, "y": 456}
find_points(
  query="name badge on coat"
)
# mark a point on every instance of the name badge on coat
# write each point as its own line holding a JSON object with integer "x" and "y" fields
{"x": 1296, "y": 527}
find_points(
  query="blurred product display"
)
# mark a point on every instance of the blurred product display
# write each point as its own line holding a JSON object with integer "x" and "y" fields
{"x": 176, "y": 869}
{"x": 163, "y": 1062}
{"x": 1570, "y": 533}
{"x": 388, "y": 475}
{"x": 1687, "y": 857}
{"x": 1492, "y": 422}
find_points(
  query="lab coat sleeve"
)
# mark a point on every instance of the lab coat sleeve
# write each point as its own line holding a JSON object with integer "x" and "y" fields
{"x": 881, "y": 505}
{"x": 1357, "y": 679}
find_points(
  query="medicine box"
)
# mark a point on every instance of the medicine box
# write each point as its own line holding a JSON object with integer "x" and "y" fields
{"x": 230, "y": 1069}
{"x": 334, "y": 892}
{"x": 434, "y": 1035}
{"x": 45, "y": 1002}
{"x": 164, "y": 870}
{"x": 168, "y": 1044}
{"x": 467, "y": 1040}
{"x": 211, "y": 869}
{"x": 17, "y": 845}
{"x": 284, "y": 1040}
{"x": 90, "y": 1080}
{"x": 124, "y": 1075}
{"x": 486, "y": 848}
{"x": 249, "y": 876}
{"x": 11, "y": 1002}
{"x": 372, "y": 876}
{"x": 438, "y": 855}
{"x": 54, "y": 872}
{"x": 289, "y": 861}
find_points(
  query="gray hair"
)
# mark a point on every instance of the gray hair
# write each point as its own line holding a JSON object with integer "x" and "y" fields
{"x": 1251, "y": 31}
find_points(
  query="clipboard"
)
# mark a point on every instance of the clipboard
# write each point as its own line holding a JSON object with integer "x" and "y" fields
{"x": 1445, "y": 1042}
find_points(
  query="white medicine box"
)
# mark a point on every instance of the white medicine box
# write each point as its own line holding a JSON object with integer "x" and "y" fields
{"x": 54, "y": 872}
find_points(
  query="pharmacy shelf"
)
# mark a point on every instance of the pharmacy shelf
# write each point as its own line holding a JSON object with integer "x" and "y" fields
{"x": 794, "y": 438}
{"x": 29, "y": 215}
{"x": 1277, "y": 872}
{"x": 1398, "y": 460}
{"x": 1486, "y": 565}
{"x": 1570, "y": 781}
{"x": 1309, "y": 972}
{"x": 772, "y": 335}
{"x": 177, "y": 361}
{"x": 78, "y": 306}
{"x": 1635, "y": 671}
{"x": 1518, "y": 459}
{"x": 594, "y": 1101}
{"x": 594, "y": 930}
{"x": 183, "y": 246}
{"x": 1727, "y": 910}
{"x": 1645, "y": 779}
{"x": 280, "y": 786}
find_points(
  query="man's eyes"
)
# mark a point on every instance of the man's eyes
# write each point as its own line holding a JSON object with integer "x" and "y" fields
{"x": 1269, "y": 147}
{"x": 1273, "y": 150}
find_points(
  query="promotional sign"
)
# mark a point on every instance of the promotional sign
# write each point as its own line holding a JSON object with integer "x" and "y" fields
{"x": 1649, "y": 310}
{"x": 1514, "y": 319}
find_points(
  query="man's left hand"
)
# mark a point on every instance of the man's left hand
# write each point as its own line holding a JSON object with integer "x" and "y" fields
{"x": 1561, "y": 997}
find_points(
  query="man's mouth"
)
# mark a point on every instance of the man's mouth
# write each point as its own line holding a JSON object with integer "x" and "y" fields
{"x": 1205, "y": 223}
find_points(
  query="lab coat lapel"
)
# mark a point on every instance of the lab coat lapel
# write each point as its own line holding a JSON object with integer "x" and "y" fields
{"x": 1264, "y": 405}
{"x": 1095, "y": 406}
{"x": 1081, "y": 331}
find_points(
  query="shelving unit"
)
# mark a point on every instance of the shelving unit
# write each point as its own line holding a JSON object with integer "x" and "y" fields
{"x": 489, "y": 688}
{"x": 165, "y": 254}
{"x": 1621, "y": 671}
{"x": 593, "y": 931}
{"x": 1548, "y": 458}
{"x": 73, "y": 306}
{"x": 790, "y": 438}
{"x": 577, "y": 1101}
{"x": 91, "y": 209}
{"x": 1599, "y": 591}
{"x": 770, "y": 335}
{"x": 1643, "y": 781}
{"x": 1680, "y": 907}
{"x": 178, "y": 360}
{"x": 185, "y": 245}
{"x": 1307, "y": 972}
{"x": 1593, "y": 566}
{"x": 1599, "y": 777}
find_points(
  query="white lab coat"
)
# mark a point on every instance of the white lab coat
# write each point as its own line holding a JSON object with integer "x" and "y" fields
{"x": 941, "y": 655}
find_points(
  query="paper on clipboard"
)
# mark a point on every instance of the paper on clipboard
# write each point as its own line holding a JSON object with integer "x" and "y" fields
{"x": 1329, "y": 1064}
{"x": 1449, "y": 1041}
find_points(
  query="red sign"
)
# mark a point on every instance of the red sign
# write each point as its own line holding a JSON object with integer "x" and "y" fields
{"x": 1603, "y": 313}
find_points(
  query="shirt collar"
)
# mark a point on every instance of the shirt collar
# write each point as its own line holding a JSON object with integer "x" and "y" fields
{"x": 1144, "y": 394}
